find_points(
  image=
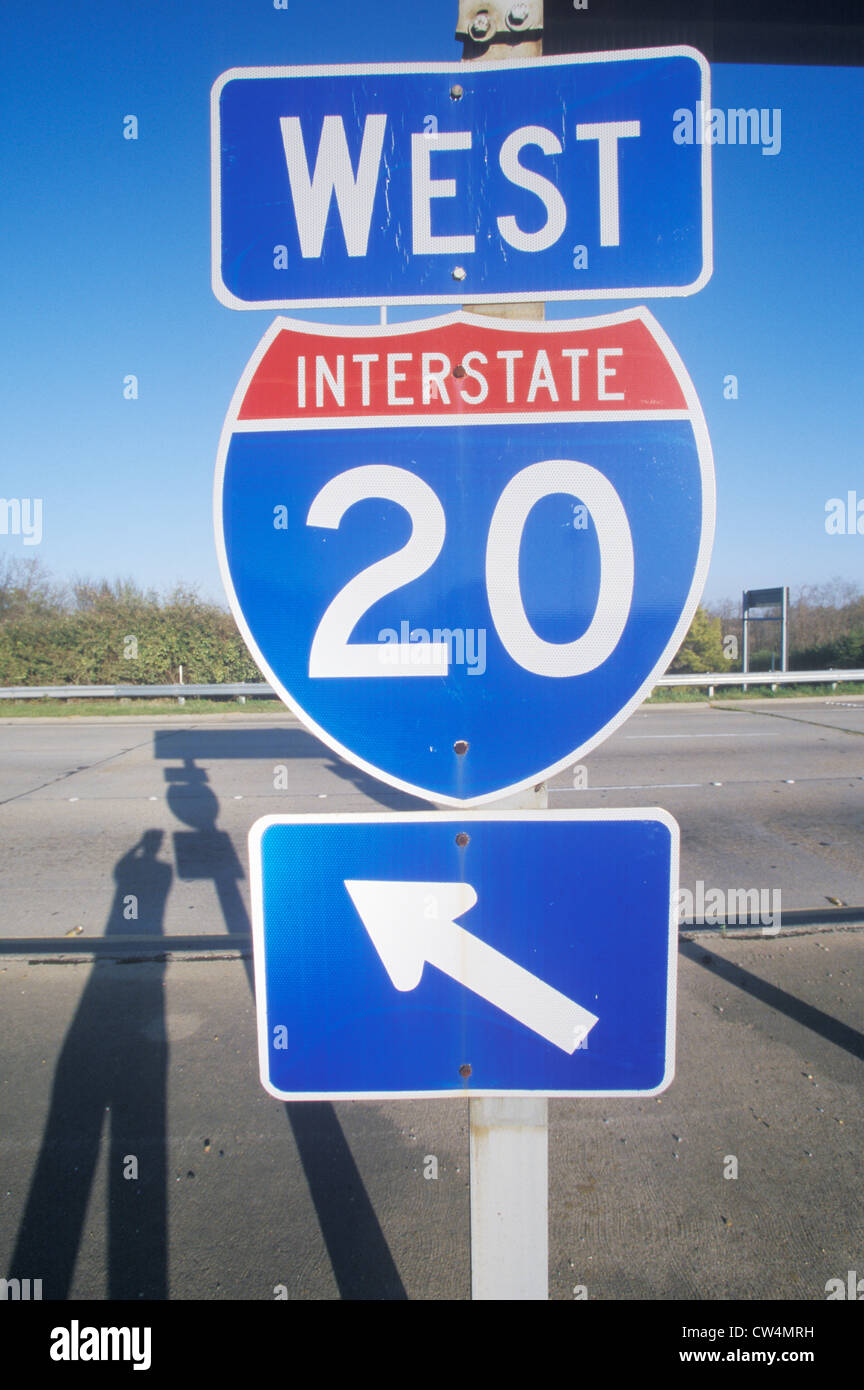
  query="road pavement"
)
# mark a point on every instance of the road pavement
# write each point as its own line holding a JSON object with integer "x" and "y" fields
{"x": 767, "y": 797}
{"x": 140, "y": 1157}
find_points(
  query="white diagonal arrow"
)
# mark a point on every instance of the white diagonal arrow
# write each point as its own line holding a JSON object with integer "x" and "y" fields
{"x": 411, "y": 923}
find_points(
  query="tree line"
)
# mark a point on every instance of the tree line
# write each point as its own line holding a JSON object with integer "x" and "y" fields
{"x": 100, "y": 632}
{"x": 826, "y": 630}
{"x": 88, "y": 632}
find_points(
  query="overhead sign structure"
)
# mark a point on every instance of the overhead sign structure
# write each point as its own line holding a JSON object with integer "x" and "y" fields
{"x": 554, "y": 178}
{"x": 445, "y": 953}
{"x": 463, "y": 551}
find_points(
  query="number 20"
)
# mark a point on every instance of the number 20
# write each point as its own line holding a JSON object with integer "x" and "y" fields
{"x": 333, "y": 655}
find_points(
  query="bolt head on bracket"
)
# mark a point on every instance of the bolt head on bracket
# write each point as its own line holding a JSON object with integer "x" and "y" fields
{"x": 499, "y": 20}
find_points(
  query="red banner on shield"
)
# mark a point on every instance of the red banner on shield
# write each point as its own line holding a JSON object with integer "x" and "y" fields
{"x": 465, "y": 366}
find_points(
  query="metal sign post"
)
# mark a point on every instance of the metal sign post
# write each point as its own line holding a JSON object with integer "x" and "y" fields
{"x": 765, "y": 598}
{"x": 509, "y": 1139}
{"x": 510, "y": 1199}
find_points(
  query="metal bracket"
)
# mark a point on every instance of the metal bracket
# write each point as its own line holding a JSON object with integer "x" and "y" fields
{"x": 499, "y": 21}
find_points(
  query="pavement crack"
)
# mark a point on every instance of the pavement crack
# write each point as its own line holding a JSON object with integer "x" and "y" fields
{"x": 791, "y": 718}
{"x": 73, "y": 772}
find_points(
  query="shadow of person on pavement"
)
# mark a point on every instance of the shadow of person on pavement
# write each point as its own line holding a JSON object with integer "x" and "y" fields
{"x": 362, "y": 1264}
{"x": 110, "y": 1075}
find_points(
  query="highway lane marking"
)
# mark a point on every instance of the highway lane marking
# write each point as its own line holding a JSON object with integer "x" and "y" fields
{"x": 635, "y": 787}
{"x": 743, "y": 782}
{"x": 758, "y": 734}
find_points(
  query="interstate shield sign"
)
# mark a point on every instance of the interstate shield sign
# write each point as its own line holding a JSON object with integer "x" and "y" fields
{"x": 462, "y": 551}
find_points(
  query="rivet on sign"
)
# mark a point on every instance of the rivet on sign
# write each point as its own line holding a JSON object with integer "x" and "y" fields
{"x": 459, "y": 272}
{"x": 465, "y": 1070}
{"x": 460, "y": 747}
{"x": 456, "y": 93}
{"x": 462, "y": 839}
{"x": 458, "y": 370}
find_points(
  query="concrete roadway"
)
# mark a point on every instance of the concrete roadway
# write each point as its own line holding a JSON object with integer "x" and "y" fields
{"x": 77, "y": 795}
{"x": 237, "y": 1195}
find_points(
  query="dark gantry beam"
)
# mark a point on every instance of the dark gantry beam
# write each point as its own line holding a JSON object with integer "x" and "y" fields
{"x": 830, "y": 33}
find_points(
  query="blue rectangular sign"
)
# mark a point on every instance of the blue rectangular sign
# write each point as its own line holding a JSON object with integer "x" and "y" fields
{"x": 555, "y": 178}
{"x": 445, "y": 953}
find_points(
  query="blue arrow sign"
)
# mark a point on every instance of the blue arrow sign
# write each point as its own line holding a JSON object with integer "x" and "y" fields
{"x": 557, "y": 178}
{"x": 444, "y": 954}
{"x": 462, "y": 551}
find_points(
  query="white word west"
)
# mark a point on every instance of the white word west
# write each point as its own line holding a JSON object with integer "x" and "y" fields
{"x": 333, "y": 176}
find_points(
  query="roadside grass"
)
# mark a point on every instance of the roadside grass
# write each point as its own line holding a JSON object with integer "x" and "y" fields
{"x": 54, "y": 708}
{"x": 688, "y": 693}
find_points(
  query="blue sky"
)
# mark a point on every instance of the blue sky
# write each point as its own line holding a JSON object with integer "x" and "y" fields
{"x": 105, "y": 247}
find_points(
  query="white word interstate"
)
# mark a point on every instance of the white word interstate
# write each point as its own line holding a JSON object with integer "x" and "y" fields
{"x": 518, "y": 375}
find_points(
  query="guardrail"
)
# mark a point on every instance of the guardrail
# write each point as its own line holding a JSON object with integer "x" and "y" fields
{"x": 240, "y": 690}
{"x": 132, "y": 692}
{"x": 772, "y": 678}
